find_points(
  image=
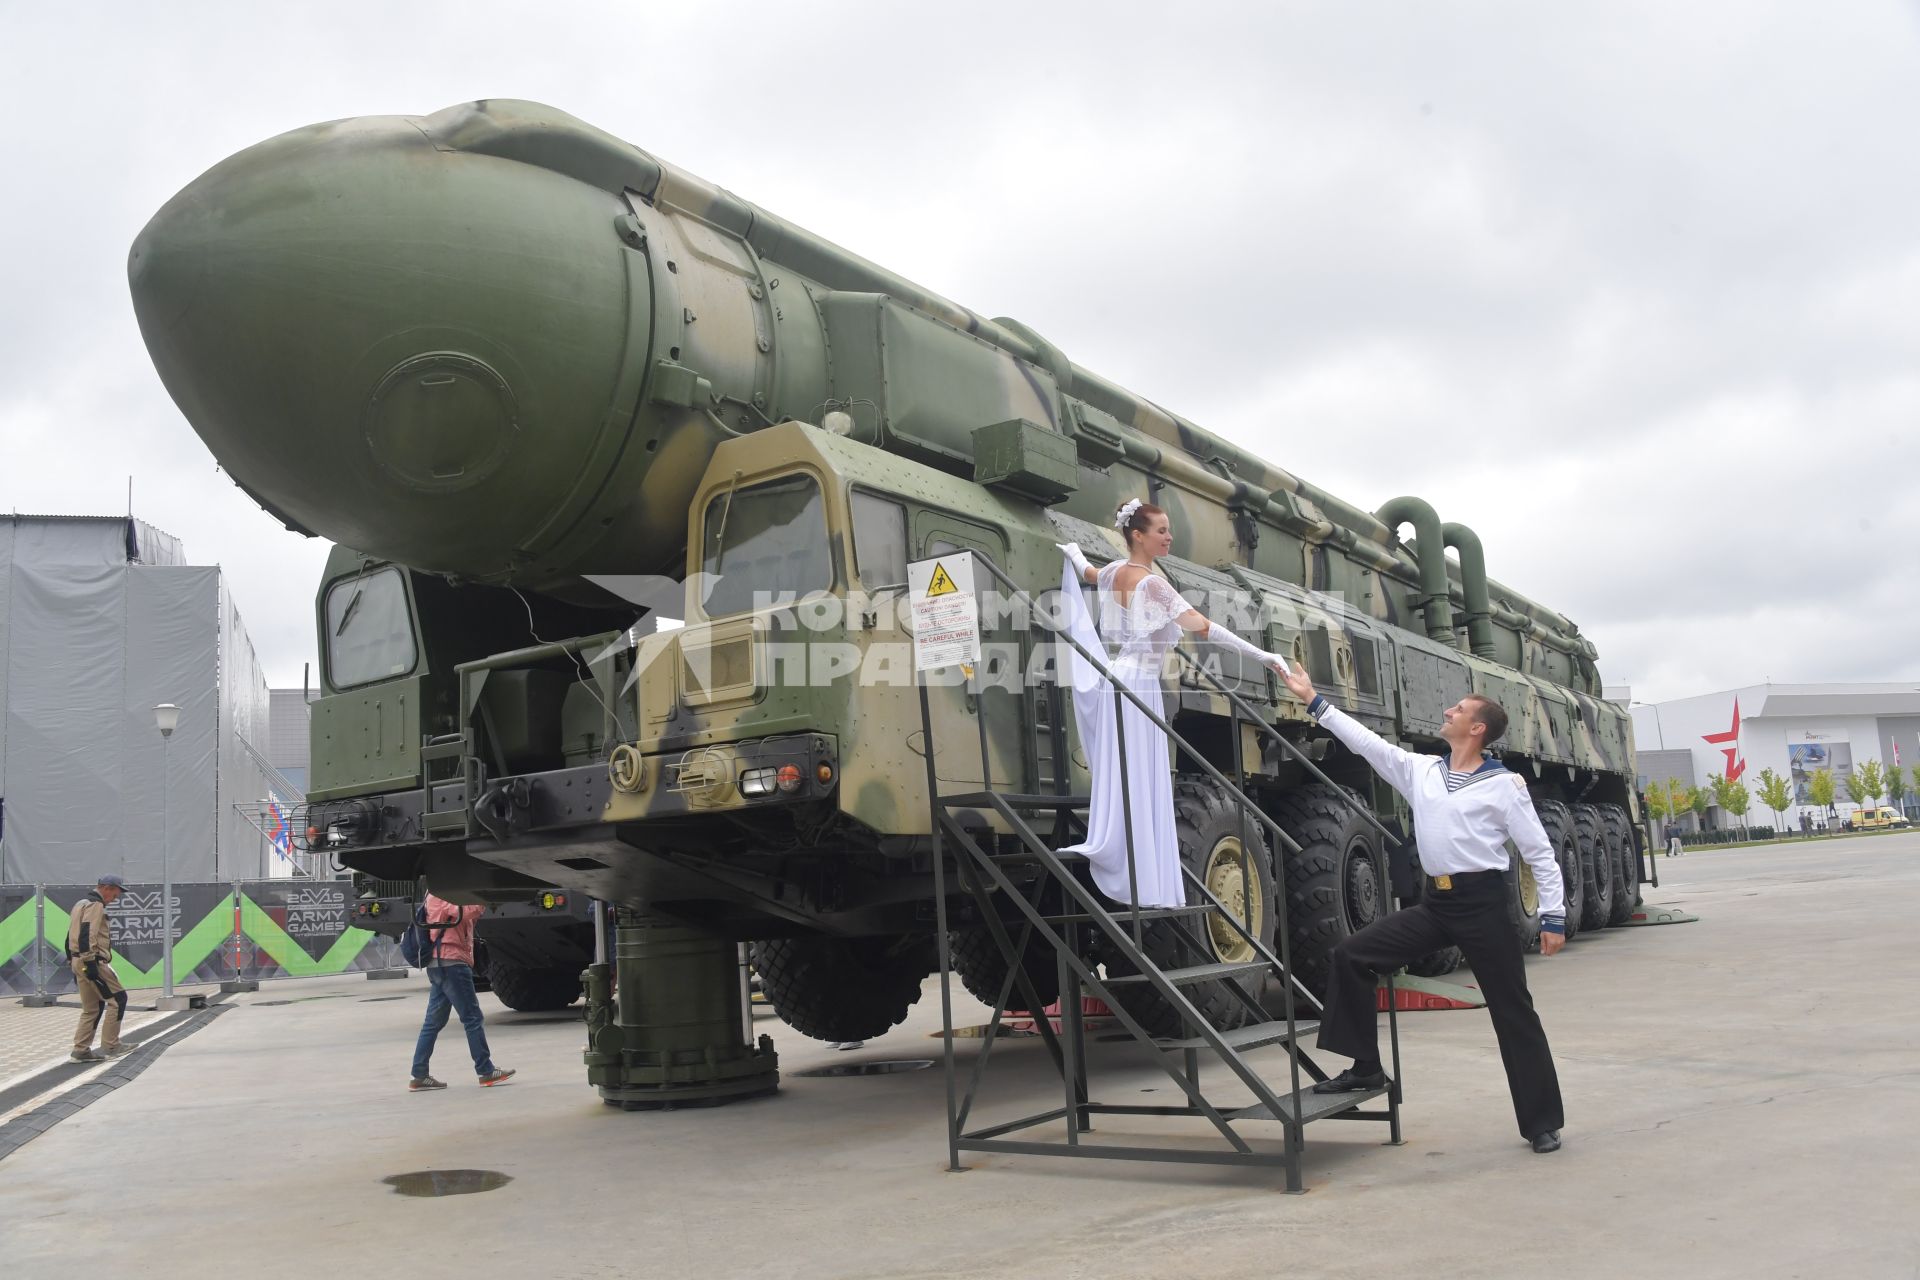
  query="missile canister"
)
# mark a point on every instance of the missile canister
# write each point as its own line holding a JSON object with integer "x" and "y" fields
{"x": 498, "y": 344}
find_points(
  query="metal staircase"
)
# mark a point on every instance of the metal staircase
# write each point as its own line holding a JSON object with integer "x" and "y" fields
{"x": 1023, "y": 891}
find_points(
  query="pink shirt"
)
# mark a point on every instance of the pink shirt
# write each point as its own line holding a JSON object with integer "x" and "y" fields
{"x": 456, "y": 943}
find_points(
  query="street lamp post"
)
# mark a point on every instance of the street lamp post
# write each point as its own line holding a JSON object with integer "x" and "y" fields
{"x": 165, "y": 717}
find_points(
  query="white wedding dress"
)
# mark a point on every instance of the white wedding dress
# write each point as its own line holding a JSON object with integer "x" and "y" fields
{"x": 1137, "y": 636}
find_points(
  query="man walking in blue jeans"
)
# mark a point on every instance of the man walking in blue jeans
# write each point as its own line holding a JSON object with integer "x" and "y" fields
{"x": 450, "y": 971}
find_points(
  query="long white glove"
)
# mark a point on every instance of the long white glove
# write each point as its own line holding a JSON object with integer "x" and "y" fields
{"x": 1075, "y": 557}
{"x": 1220, "y": 635}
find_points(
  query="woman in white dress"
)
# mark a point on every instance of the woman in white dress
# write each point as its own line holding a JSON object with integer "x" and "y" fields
{"x": 1141, "y": 618}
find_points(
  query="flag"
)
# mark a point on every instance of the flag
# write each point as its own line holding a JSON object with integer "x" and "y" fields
{"x": 279, "y": 833}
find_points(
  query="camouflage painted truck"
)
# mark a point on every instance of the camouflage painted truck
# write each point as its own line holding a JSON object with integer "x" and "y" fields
{"x": 529, "y": 372}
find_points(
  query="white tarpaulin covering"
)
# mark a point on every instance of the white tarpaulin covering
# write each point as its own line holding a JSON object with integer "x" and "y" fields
{"x": 89, "y": 643}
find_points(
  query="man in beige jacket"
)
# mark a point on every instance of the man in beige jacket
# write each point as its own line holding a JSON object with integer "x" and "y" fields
{"x": 90, "y": 952}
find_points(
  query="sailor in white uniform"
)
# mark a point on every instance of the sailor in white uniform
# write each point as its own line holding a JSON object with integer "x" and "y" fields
{"x": 1466, "y": 806}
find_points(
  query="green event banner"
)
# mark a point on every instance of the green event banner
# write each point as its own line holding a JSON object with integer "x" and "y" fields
{"x": 257, "y": 929}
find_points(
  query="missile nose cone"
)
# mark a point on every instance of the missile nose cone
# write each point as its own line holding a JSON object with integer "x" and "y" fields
{"x": 411, "y": 349}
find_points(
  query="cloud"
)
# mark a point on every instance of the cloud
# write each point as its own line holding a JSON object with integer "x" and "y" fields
{"x": 1627, "y": 288}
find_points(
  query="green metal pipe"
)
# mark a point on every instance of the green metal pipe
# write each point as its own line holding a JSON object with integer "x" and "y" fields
{"x": 1430, "y": 551}
{"x": 1473, "y": 586}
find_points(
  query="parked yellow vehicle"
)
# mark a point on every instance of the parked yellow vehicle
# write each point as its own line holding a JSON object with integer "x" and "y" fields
{"x": 1878, "y": 818}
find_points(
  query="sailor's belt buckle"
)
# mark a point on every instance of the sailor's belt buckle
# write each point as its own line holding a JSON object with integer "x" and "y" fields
{"x": 1443, "y": 882}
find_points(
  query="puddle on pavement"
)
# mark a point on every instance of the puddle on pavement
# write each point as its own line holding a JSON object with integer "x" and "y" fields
{"x": 447, "y": 1182}
{"x": 884, "y": 1068}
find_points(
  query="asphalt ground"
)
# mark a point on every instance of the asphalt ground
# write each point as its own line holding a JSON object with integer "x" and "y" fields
{"x": 1743, "y": 1097}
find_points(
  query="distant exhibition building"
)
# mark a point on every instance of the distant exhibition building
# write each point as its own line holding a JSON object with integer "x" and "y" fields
{"x": 101, "y": 618}
{"x": 1793, "y": 729}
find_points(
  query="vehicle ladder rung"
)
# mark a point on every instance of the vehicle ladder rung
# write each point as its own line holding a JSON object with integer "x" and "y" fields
{"x": 1195, "y": 973}
{"x": 1307, "y": 1105}
{"x": 1242, "y": 1038}
{"x": 1013, "y": 800}
{"x": 1122, "y": 915}
{"x": 1019, "y": 856}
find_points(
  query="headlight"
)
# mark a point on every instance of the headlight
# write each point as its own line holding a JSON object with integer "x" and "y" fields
{"x": 757, "y": 782}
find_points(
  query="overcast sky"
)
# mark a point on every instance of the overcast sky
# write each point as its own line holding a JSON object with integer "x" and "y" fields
{"x": 1633, "y": 290}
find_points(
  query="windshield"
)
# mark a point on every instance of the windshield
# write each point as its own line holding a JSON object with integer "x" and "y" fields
{"x": 369, "y": 631}
{"x": 765, "y": 540}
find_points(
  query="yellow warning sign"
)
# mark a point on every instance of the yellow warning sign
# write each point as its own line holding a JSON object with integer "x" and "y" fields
{"x": 946, "y": 615}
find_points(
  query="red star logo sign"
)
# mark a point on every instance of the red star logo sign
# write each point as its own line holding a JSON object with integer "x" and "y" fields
{"x": 1735, "y": 765}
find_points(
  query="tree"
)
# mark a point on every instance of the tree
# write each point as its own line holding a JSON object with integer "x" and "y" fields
{"x": 1738, "y": 801}
{"x": 1896, "y": 786}
{"x": 1699, "y": 799}
{"x": 1775, "y": 793}
{"x": 1667, "y": 799}
{"x": 1676, "y": 797}
{"x": 1873, "y": 782}
{"x": 1820, "y": 788}
{"x": 1733, "y": 796}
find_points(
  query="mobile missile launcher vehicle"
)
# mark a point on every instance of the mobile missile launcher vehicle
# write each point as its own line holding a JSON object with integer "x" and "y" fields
{"x": 521, "y": 366}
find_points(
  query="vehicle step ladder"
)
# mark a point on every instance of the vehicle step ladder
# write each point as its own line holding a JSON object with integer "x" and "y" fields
{"x": 1025, "y": 891}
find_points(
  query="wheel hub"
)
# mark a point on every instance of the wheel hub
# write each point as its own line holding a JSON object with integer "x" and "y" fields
{"x": 1241, "y": 894}
{"x": 1363, "y": 890}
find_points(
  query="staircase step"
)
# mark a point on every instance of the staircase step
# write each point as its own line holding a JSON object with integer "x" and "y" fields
{"x": 1028, "y": 856}
{"x": 1249, "y": 1037}
{"x": 1123, "y": 915}
{"x": 1013, "y": 799}
{"x": 1308, "y": 1105}
{"x": 1195, "y": 973}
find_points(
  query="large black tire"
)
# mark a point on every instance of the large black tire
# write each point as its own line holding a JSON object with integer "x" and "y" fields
{"x": 1333, "y": 882}
{"x": 1558, "y": 820}
{"x": 1436, "y": 964}
{"x": 982, "y": 967}
{"x": 1523, "y": 903}
{"x": 1626, "y": 861}
{"x": 838, "y": 989}
{"x": 1596, "y": 867}
{"x": 532, "y": 990}
{"x": 1210, "y": 826}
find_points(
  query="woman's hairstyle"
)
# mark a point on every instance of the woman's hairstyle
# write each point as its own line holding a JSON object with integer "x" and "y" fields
{"x": 1134, "y": 515}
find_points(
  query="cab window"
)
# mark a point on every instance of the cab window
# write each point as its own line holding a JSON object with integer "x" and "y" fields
{"x": 766, "y": 541}
{"x": 369, "y": 629}
{"x": 879, "y": 541}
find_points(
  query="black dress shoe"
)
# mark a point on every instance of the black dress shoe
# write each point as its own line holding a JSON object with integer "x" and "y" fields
{"x": 1545, "y": 1142}
{"x": 1350, "y": 1081}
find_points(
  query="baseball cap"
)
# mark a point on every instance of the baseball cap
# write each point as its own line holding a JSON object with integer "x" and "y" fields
{"x": 113, "y": 880}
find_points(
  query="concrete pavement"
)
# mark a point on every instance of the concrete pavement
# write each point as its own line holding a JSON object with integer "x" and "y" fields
{"x": 1742, "y": 1096}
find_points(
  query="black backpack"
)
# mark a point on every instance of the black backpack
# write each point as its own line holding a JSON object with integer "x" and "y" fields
{"x": 420, "y": 944}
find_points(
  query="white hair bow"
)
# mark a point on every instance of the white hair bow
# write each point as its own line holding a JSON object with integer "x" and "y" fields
{"x": 1125, "y": 514}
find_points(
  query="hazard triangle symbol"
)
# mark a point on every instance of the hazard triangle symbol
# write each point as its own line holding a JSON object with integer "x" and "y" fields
{"x": 940, "y": 584}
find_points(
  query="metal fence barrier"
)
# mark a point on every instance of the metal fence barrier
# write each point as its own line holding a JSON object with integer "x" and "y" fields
{"x": 246, "y": 930}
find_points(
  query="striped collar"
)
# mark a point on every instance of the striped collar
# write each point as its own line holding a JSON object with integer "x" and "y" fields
{"x": 1489, "y": 767}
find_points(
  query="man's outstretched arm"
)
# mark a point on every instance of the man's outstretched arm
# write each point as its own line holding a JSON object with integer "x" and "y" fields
{"x": 1398, "y": 767}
